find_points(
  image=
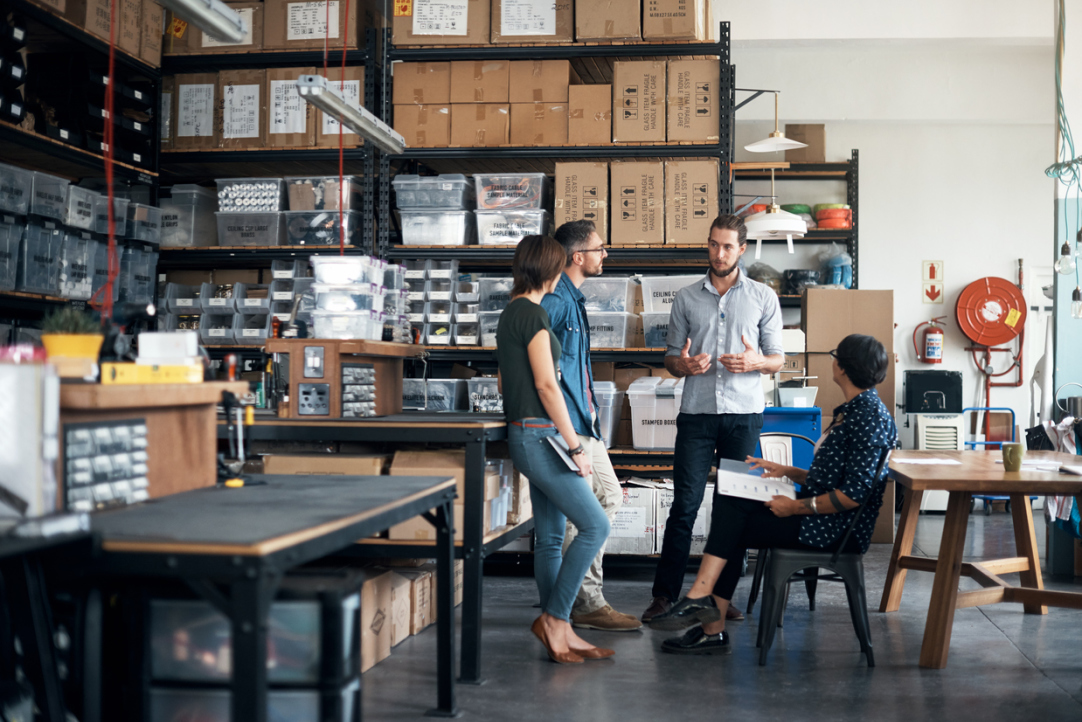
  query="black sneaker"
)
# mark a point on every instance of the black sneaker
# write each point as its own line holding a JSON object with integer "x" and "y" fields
{"x": 696, "y": 641}
{"x": 687, "y": 613}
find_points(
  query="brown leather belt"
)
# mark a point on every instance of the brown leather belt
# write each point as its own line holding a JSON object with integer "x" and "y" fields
{"x": 533, "y": 426}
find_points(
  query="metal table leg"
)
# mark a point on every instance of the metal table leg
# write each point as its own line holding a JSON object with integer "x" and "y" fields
{"x": 30, "y": 612}
{"x": 251, "y": 600}
{"x": 445, "y": 614}
{"x": 473, "y": 557}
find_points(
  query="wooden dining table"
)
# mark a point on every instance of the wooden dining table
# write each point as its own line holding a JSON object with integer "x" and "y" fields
{"x": 976, "y": 472}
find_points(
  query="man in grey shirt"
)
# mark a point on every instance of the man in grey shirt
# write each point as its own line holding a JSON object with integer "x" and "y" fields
{"x": 724, "y": 332}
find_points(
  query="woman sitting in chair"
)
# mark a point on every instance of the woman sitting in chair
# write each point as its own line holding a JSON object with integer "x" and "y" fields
{"x": 842, "y": 477}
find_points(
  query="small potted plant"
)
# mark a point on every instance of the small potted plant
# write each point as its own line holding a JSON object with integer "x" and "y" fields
{"x": 72, "y": 339}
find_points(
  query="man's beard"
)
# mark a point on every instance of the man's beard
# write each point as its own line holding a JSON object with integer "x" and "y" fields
{"x": 725, "y": 272}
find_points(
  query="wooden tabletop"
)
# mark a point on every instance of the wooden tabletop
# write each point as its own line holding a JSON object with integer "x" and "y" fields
{"x": 257, "y": 520}
{"x": 456, "y": 420}
{"x": 142, "y": 396}
{"x": 979, "y": 473}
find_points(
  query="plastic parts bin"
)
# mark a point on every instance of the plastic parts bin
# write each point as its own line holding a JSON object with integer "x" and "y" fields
{"x": 322, "y": 228}
{"x": 506, "y": 191}
{"x": 16, "y": 188}
{"x": 439, "y": 311}
{"x": 610, "y": 402}
{"x": 251, "y": 298}
{"x": 609, "y": 294}
{"x": 439, "y": 290}
{"x": 438, "y": 334}
{"x": 281, "y": 290}
{"x": 216, "y": 328}
{"x": 655, "y": 327}
{"x": 144, "y": 223}
{"x": 484, "y": 395}
{"x": 39, "y": 259}
{"x": 416, "y": 270}
{"x": 508, "y": 227}
{"x": 655, "y": 402}
{"x": 447, "y": 395}
{"x": 288, "y": 269}
{"x": 437, "y": 228}
{"x": 50, "y": 196}
{"x": 340, "y": 270}
{"x": 251, "y": 328}
{"x": 188, "y": 218}
{"x": 348, "y": 325}
{"x": 449, "y": 191}
{"x": 182, "y": 299}
{"x": 250, "y": 229}
{"x": 11, "y": 236}
{"x": 352, "y": 297}
{"x": 495, "y": 293}
{"x": 216, "y": 298}
{"x": 610, "y": 330}
{"x": 443, "y": 270}
{"x": 466, "y": 334}
{"x": 467, "y": 313}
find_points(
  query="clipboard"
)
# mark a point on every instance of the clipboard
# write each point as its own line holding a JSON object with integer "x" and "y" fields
{"x": 558, "y": 443}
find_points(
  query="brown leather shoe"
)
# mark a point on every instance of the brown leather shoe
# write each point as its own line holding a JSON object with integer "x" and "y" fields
{"x": 732, "y": 614}
{"x": 606, "y": 619}
{"x": 559, "y": 657}
{"x": 660, "y": 605}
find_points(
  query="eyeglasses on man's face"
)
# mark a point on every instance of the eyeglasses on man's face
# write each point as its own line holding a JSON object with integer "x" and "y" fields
{"x": 601, "y": 249}
{"x": 834, "y": 354}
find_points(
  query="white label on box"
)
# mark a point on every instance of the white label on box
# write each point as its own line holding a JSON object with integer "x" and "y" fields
{"x": 282, "y": 274}
{"x": 351, "y": 90}
{"x": 288, "y": 111}
{"x": 307, "y": 21}
{"x": 253, "y": 302}
{"x": 64, "y": 133}
{"x": 467, "y": 318}
{"x": 440, "y": 17}
{"x": 282, "y": 296}
{"x": 245, "y": 15}
{"x": 251, "y": 332}
{"x": 439, "y": 296}
{"x": 137, "y": 94}
{"x": 183, "y": 302}
{"x": 527, "y": 17}
{"x": 195, "y": 111}
{"x": 415, "y": 296}
{"x": 212, "y": 332}
{"x": 439, "y": 317}
{"x": 467, "y": 340}
{"x": 137, "y": 126}
{"x": 240, "y": 111}
{"x": 630, "y": 522}
{"x": 138, "y": 158}
{"x": 167, "y": 117}
{"x": 217, "y": 301}
{"x": 415, "y": 275}
{"x": 416, "y": 317}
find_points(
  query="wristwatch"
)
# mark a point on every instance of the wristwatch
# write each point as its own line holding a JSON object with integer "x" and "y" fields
{"x": 815, "y": 508}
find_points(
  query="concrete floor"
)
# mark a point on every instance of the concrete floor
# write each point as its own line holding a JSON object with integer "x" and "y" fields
{"x": 1004, "y": 665}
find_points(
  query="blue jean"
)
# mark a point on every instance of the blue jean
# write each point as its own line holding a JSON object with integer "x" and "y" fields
{"x": 559, "y": 495}
{"x": 700, "y": 438}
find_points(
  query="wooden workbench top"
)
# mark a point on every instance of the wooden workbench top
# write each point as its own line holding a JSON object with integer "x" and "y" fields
{"x": 142, "y": 396}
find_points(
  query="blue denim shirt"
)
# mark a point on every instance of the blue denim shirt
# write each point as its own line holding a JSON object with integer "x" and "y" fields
{"x": 566, "y": 307}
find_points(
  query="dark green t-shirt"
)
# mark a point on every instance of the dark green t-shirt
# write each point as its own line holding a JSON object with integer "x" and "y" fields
{"x": 519, "y": 323}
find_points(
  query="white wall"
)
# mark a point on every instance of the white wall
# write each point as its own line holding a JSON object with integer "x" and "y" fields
{"x": 953, "y": 138}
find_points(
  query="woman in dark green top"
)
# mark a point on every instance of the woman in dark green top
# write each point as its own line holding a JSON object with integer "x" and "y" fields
{"x": 528, "y": 355}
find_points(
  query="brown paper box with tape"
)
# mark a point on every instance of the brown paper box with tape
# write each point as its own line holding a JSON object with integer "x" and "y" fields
{"x": 241, "y": 109}
{"x": 608, "y": 20}
{"x": 540, "y": 81}
{"x": 677, "y": 20}
{"x": 421, "y": 84}
{"x": 291, "y": 122}
{"x": 638, "y": 208}
{"x": 558, "y": 18}
{"x": 589, "y": 120}
{"x": 582, "y": 193}
{"x": 150, "y": 41}
{"x": 538, "y": 123}
{"x": 194, "y": 103}
{"x": 424, "y": 126}
{"x": 694, "y": 104}
{"x": 691, "y": 200}
{"x": 426, "y": 22}
{"x": 302, "y": 24}
{"x": 638, "y": 101}
{"x": 130, "y": 27}
{"x": 480, "y": 125}
{"x": 90, "y": 15}
{"x": 186, "y": 39}
{"x": 327, "y": 128}
{"x": 479, "y": 81}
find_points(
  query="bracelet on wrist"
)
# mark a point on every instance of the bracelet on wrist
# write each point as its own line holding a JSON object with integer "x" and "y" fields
{"x": 580, "y": 449}
{"x": 814, "y": 506}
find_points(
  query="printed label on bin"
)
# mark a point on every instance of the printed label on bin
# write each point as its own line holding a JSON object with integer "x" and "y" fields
{"x": 218, "y": 301}
{"x": 253, "y": 302}
{"x": 281, "y": 275}
{"x": 212, "y": 332}
{"x": 308, "y": 20}
{"x": 467, "y": 317}
{"x": 282, "y": 295}
{"x": 440, "y": 17}
{"x": 467, "y": 340}
{"x": 415, "y": 275}
{"x": 183, "y": 302}
{"x": 251, "y": 332}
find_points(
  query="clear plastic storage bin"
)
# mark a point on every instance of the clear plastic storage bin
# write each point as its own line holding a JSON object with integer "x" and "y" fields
{"x": 467, "y": 313}
{"x": 414, "y": 393}
{"x": 609, "y": 294}
{"x": 137, "y": 268}
{"x": 439, "y": 311}
{"x": 507, "y": 191}
{"x": 495, "y": 293}
{"x": 484, "y": 395}
{"x": 655, "y": 402}
{"x": 341, "y": 270}
{"x": 610, "y": 330}
{"x": 610, "y": 402}
{"x": 101, "y": 272}
{"x": 352, "y": 297}
{"x": 658, "y": 292}
{"x": 178, "y": 322}
{"x": 317, "y": 193}
{"x": 77, "y": 266}
{"x": 467, "y": 292}
{"x": 415, "y": 310}
{"x": 216, "y": 329}
{"x": 39, "y": 259}
{"x": 489, "y": 321}
{"x": 250, "y": 229}
{"x": 295, "y": 705}
{"x": 394, "y": 276}
{"x": 182, "y": 299}
{"x": 16, "y": 188}
{"x": 50, "y": 196}
{"x": 79, "y": 209}
{"x": 347, "y": 325}
{"x": 11, "y": 237}
{"x": 251, "y": 194}
{"x": 281, "y": 290}
{"x": 251, "y": 298}
{"x": 251, "y": 328}
{"x": 321, "y": 228}
{"x": 288, "y": 269}
{"x": 437, "y": 228}
{"x": 438, "y": 334}
{"x": 415, "y": 290}
{"x": 216, "y": 298}
{"x": 439, "y": 290}
{"x": 443, "y": 270}
{"x": 144, "y": 223}
{"x": 450, "y": 191}
{"x": 466, "y": 334}
{"x": 447, "y": 395}
{"x": 396, "y": 303}
{"x": 506, "y": 228}
{"x": 655, "y": 328}
{"x": 416, "y": 270}
{"x": 188, "y": 218}
{"x": 120, "y": 215}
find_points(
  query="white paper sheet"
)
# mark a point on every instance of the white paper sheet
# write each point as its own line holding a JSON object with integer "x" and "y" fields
{"x": 195, "y": 111}
{"x": 748, "y": 486}
{"x": 527, "y": 17}
{"x": 308, "y": 20}
{"x": 440, "y": 17}
{"x": 246, "y": 16}
{"x": 928, "y": 462}
{"x": 240, "y": 111}
{"x": 287, "y": 109}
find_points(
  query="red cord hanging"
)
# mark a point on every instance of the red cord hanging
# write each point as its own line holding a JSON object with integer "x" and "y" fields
{"x": 112, "y": 264}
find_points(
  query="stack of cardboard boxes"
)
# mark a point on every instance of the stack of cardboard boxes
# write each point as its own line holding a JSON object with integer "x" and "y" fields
{"x": 139, "y": 23}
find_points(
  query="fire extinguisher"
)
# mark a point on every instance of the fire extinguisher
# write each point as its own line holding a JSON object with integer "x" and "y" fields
{"x": 931, "y": 341}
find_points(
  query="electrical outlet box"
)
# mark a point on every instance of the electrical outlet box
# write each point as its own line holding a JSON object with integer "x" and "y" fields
{"x": 314, "y": 399}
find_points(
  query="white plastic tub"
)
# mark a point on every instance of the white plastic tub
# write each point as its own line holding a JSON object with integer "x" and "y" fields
{"x": 610, "y": 330}
{"x": 658, "y": 292}
{"x": 437, "y": 228}
{"x": 655, "y": 402}
{"x": 609, "y": 294}
{"x": 609, "y": 402}
{"x": 345, "y": 325}
{"x": 340, "y": 270}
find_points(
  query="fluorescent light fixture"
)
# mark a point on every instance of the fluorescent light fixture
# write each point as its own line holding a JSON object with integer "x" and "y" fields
{"x": 213, "y": 17}
{"x": 773, "y": 224}
{"x": 316, "y": 90}
{"x": 776, "y": 141}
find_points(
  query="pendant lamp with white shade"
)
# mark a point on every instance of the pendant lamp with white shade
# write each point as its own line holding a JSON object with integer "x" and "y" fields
{"x": 774, "y": 224}
{"x": 777, "y": 140}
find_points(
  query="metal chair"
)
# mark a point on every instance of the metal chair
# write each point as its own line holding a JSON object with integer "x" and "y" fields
{"x": 783, "y": 564}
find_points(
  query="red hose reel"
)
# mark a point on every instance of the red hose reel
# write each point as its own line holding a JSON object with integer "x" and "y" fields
{"x": 991, "y": 311}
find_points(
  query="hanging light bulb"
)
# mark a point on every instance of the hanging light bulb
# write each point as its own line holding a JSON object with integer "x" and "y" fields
{"x": 1065, "y": 264}
{"x": 1076, "y": 303}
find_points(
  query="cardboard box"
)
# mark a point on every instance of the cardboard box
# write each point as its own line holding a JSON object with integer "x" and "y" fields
{"x": 90, "y": 15}
{"x": 375, "y": 619}
{"x": 424, "y": 125}
{"x": 828, "y": 316}
{"x": 326, "y": 126}
{"x": 530, "y": 21}
{"x": 169, "y": 87}
{"x": 150, "y": 40}
{"x": 633, "y": 529}
{"x": 183, "y": 38}
{"x": 418, "y": 528}
{"x": 443, "y": 463}
{"x": 638, "y": 210}
{"x": 290, "y": 120}
{"x": 459, "y": 585}
{"x": 700, "y": 530}
{"x": 677, "y": 20}
{"x": 195, "y": 101}
{"x": 608, "y": 20}
{"x": 421, "y": 84}
{"x": 883, "y": 533}
{"x": 325, "y": 464}
{"x": 538, "y": 123}
{"x": 540, "y": 81}
{"x": 420, "y": 595}
{"x": 691, "y": 200}
{"x": 479, "y": 81}
{"x": 694, "y": 88}
{"x": 130, "y": 26}
{"x": 302, "y": 24}
{"x": 432, "y": 22}
{"x": 815, "y": 135}
{"x": 589, "y": 119}
{"x": 603, "y": 370}
{"x": 829, "y": 396}
{"x": 582, "y": 193}
{"x": 479, "y": 125}
{"x": 241, "y": 109}
{"x": 623, "y": 378}
{"x": 401, "y": 608}
{"x": 521, "y": 507}
{"x": 623, "y": 433}
{"x": 638, "y": 101}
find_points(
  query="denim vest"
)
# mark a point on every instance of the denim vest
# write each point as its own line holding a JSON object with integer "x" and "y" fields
{"x": 566, "y": 307}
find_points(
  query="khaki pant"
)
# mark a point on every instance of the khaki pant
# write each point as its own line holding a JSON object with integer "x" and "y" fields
{"x": 607, "y": 490}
